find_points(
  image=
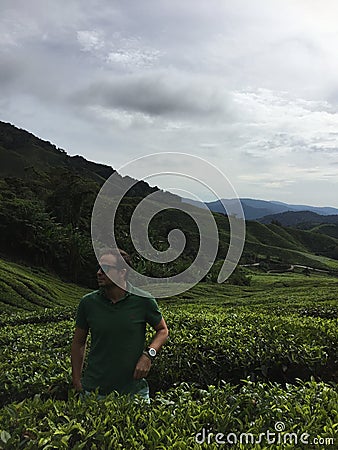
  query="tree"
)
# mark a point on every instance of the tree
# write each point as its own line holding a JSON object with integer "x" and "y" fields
{"x": 71, "y": 198}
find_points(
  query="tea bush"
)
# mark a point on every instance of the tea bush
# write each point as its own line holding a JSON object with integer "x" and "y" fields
{"x": 183, "y": 417}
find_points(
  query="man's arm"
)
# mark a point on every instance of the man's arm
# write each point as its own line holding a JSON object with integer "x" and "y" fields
{"x": 161, "y": 335}
{"x": 77, "y": 356}
{"x": 144, "y": 363}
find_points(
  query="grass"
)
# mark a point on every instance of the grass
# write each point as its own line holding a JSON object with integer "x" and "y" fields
{"x": 330, "y": 263}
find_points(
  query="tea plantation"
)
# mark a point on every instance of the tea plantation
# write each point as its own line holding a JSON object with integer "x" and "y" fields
{"x": 245, "y": 367}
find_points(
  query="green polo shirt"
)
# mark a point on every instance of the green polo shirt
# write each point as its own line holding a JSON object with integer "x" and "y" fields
{"x": 117, "y": 338}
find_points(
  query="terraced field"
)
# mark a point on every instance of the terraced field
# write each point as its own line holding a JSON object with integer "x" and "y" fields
{"x": 241, "y": 361}
{"x": 25, "y": 289}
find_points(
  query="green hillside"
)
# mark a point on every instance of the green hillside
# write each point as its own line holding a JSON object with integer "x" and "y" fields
{"x": 46, "y": 202}
{"x": 291, "y": 245}
{"x": 289, "y": 238}
{"x": 330, "y": 229}
{"x": 29, "y": 289}
{"x": 20, "y": 150}
{"x": 24, "y": 155}
{"x": 272, "y": 236}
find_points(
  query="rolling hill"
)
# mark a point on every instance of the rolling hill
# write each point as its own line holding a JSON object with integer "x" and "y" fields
{"x": 300, "y": 219}
{"x": 24, "y": 288}
{"x": 292, "y": 246}
{"x": 305, "y": 220}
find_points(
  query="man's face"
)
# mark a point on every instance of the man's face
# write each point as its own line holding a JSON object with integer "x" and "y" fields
{"x": 111, "y": 275}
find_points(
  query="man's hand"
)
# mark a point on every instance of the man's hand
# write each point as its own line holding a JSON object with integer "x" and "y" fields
{"x": 142, "y": 367}
{"x": 77, "y": 386}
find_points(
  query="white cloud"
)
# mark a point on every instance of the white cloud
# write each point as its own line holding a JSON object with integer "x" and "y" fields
{"x": 133, "y": 57}
{"x": 280, "y": 123}
{"x": 159, "y": 93}
{"x": 90, "y": 40}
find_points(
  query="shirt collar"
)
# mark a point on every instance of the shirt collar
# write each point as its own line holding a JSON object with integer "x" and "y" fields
{"x": 129, "y": 291}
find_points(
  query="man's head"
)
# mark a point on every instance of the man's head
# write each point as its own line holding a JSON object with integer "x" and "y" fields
{"x": 114, "y": 267}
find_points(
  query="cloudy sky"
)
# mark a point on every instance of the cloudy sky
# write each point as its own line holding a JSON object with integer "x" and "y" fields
{"x": 250, "y": 86}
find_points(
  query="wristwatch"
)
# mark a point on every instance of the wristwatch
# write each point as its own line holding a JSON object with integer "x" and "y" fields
{"x": 150, "y": 352}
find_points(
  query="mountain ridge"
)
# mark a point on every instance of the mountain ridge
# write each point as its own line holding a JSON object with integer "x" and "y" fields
{"x": 254, "y": 209}
{"x": 295, "y": 218}
{"x": 20, "y": 150}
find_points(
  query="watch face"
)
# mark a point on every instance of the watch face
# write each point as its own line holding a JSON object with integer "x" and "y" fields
{"x": 152, "y": 352}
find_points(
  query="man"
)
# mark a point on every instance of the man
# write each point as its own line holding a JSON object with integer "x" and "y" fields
{"x": 116, "y": 316}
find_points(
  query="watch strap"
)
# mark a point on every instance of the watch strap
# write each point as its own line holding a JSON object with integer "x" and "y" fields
{"x": 150, "y": 352}
{"x": 147, "y": 354}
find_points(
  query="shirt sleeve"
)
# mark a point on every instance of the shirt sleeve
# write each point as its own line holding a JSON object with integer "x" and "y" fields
{"x": 81, "y": 317}
{"x": 153, "y": 313}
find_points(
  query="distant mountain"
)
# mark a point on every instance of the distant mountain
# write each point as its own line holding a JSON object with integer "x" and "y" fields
{"x": 255, "y": 209}
{"x": 323, "y": 210}
{"x": 307, "y": 219}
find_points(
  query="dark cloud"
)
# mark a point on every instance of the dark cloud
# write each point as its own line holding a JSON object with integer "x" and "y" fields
{"x": 10, "y": 70}
{"x": 157, "y": 94}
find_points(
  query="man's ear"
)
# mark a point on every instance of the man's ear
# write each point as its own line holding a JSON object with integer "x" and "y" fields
{"x": 125, "y": 272}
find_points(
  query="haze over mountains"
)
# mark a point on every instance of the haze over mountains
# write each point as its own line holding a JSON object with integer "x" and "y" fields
{"x": 296, "y": 218}
{"x": 257, "y": 209}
